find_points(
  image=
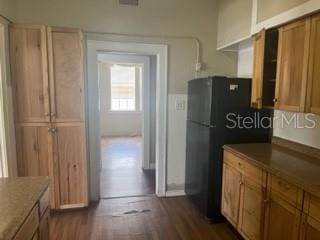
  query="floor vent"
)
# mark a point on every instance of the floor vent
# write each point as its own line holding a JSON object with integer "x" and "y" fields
{"x": 129, "y": 2}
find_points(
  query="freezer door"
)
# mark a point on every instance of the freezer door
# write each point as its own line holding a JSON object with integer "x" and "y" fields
{"x": 200, "y": 101}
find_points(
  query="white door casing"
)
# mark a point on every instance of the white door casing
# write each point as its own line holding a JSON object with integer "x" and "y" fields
{"x": 161, "y": 53}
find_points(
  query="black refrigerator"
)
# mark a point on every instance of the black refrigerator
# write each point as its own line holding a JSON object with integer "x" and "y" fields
{"x": 218, "y": 113}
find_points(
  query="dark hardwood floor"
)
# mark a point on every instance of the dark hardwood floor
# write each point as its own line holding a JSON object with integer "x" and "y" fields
{"x": 137, "y": 218}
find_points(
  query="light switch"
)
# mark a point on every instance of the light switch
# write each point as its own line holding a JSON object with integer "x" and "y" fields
{"x": 180, "y": 104}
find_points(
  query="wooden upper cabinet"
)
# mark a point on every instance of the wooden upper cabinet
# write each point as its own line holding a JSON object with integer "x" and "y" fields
{"x": 292, "y": 69}
{"x": 257, "y": 79}
{"x": 71, "y": 165}
{"x": 66, "y": 74}
{"x": 29, "y": 73}
{"x": 313, "y": 100}
{"x": 231, "y": 194}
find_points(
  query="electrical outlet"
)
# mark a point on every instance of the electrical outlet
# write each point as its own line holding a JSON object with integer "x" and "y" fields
{"x": 180, "y": 104}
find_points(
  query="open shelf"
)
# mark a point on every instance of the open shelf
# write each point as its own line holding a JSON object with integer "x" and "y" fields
{"x": 270, "y": 68}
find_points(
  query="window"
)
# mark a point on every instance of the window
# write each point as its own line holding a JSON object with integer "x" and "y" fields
{"x": 124, "y": 86}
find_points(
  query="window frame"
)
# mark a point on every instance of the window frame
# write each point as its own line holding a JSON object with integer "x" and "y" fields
{"x": 138, "y": 89}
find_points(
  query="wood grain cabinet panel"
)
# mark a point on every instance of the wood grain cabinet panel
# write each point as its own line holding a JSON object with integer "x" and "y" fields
{"x": 70, "y": 156}
{"x": 30, "y": 73}
{"x": 47, "y": 71}
{"x": 231, "y": 194}
{"x": 33, "y": 149}
{"x": 292, "y": 69}
{"x": 66, "y": 74}
{"x": 313, "y": 99}
{"x": 257, "y": 79}
{"x": 44, "y": 227}
{"x": 282, "y": 220}
{"x": 34, "y": 152}
{"x": 251, "y": 217}
{"x": 310, "y": 228}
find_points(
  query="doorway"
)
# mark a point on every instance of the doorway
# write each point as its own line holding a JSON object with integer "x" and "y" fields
{"x": 160, "y": 53}
{"x": 126, "y": 104}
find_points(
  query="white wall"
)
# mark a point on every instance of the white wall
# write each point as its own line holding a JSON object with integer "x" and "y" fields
{"x": 245, "y": 59}
{"x": 176, "y": 143}
{"x": 234, "y": 21}
{"x": 287, "y": 131}
{"x": 152, "y": 17}
{"x": 8, "y": 9}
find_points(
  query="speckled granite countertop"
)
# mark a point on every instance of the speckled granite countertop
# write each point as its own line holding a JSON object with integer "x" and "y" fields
{"x": 17, "y": 198}
{"x": 295, "y": 167}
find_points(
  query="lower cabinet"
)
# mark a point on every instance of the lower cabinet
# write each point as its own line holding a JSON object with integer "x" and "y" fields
{"x": 262, "y": 206}
{"x": 251, "y": 209}
{"x": 44, "y": 227}
{"x": 310, "y": 228}
{"x": 69, "y": 154}
{"x": 36, "y": 226}
{"x": 282, "y": 220}
{"x": 231, "y": 194}
{"x": 243, "y": 194}
{"x": 58, "y": 151}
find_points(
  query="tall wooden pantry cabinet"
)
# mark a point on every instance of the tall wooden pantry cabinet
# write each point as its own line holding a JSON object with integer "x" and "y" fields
{"x": 47, "y": 74}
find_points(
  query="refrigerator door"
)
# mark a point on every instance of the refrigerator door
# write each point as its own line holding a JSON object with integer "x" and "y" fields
{"x": 200, "y": 101}
{"x": 197, "y": 164}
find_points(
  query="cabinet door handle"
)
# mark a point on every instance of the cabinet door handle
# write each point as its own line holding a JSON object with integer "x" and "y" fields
{"x": 241, "y": 183}
{"x": 275, "y": 100}
{"x": 47, "y": 114}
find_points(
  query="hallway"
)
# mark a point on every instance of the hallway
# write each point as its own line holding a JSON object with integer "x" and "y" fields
{"x": 121, "y": 174}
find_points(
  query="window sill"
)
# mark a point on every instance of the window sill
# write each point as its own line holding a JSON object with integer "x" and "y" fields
{"x": 124, "y": 112}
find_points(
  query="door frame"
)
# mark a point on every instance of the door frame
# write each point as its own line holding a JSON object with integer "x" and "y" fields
{"x": 144, "y": 62}
{"x": 161, "y": 53}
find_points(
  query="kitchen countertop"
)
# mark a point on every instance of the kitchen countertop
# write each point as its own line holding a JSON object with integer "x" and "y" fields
{"x": 17, "y": 198}
{"x": 295, "y": 167}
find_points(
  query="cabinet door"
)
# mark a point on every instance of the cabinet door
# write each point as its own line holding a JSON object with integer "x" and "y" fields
{"x": 33, "y": 150}
{"x": 282, "y": 220}
{"x": 44, "y": 227}
{"x": 70, "y": 156}
{"x": 310, "y": 229}
{"x": 313, "y": 103}
{"x": 231, "y": 194}
{"x": 66, "y": 75}
{"x": 258, "y": 63}
{"x": 29, "y": 73}
{"x": 251, "y": 209}
{"x": 292, "y": 66}
{"x": 34, "y": 153}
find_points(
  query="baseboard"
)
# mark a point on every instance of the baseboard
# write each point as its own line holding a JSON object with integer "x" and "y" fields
{"x": 175, "y": 193}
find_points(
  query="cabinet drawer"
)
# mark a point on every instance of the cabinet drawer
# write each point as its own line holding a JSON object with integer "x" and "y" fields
{"x": 244, "y": 167}
{"x": 44, "y": 202}
{"x": 30, "y": 225}
{"x": 311, "y": 206}
{"x": 289, "y": 192}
